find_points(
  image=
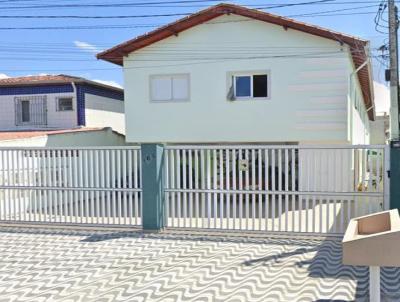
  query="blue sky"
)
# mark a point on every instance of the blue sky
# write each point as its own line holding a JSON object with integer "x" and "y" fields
{"x": 72, "y": 51}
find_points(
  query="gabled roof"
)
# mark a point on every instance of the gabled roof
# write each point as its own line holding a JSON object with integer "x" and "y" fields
{"x": 357, "y": 45}
{"x": 51, "y": 80}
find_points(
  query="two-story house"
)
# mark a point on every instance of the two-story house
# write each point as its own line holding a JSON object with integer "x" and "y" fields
{"x": 54, "y": 102}
{"x": 229, "y": 74}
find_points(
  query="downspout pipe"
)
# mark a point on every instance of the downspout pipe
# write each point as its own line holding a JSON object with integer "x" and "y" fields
{"x": 76, "y": 99}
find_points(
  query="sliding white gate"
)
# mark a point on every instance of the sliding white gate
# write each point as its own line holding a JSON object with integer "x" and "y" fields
{"x": 313, "y": 189}
{"x": 305, "y": 189}
{"x": 71, "y": 185}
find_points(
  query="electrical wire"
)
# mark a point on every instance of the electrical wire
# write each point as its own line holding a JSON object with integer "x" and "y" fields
{"x": 151, "y": 15}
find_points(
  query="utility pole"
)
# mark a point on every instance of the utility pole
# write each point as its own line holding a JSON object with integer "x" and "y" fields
{"x": 394, "y": 155}
{"x": 394, "y": 71}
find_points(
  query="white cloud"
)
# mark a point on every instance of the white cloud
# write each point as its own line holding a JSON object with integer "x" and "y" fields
{"x": 382, "y": 98}
{"x": 87, "y": 47}
{"x": 3, "y": 76}
{"x": 110, "y": 83}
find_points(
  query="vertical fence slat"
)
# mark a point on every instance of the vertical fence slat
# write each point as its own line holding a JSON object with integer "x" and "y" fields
{"x": 234, "y": 209}
{"x": 247, "y": 186}
{"x": 184, "y": 186}
{"x": 266, "y": 188}
{"x": 190, "y": 167}
{"x": 208, "y": 188}
{"x": 196, "y": 186}
{"x": 221, "y": 186}
{"x": 240, "y": 173}
{"x": 178, "y": 186}
{"x": 273, "y": 187}
{"x": 137, "y": 185}
{"x": 215, "y": 187}
{"x": 253, "y": 187}
{"x": 173, "y": 180}
{"x": 259, "y": 197}
{"x": 227, "y": 187}
{"x": 124, "y": 185}
{"x": 203, "y": 185}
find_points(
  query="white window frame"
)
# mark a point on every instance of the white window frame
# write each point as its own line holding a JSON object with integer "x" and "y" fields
{"x": 58, "y": 103}
{"x": 232, "y": 83}
{"x": 172, "y": 75}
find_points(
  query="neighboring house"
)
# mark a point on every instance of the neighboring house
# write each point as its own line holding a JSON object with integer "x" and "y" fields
{"x": 55, "y": 111}
{"x": 59, "y": 102}
{"x": 79, "y": 137}
{"x": 229, "y": 74}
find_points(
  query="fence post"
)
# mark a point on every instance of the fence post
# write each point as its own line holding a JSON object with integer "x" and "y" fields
{"x": 153, "y": 200}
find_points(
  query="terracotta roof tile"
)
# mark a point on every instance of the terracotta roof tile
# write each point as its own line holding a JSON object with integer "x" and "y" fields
{"x": 50, "y": 79}
{"x": 38, "y": 79}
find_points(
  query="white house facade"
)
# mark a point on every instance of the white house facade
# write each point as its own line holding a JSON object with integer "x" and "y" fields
{"x": 59, "y": 102}
{"x": 234, "y": 75}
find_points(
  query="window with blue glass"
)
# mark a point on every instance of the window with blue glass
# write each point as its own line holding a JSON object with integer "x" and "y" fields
{"x": 243, "y": 86}
{"x": 250, "y": 86}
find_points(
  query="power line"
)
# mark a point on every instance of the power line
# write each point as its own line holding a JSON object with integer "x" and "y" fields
{"x": 378, "y": 16}
{"x": 126, "y": 26}
{"x": 137, "y": 67}
{"x": 150, "y": 4}
{"x": 200, "y": 57}
{"x": 124, "y": 4}
{"x": 152, "y": 15}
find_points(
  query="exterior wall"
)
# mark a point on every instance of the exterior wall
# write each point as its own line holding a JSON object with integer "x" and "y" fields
{"x": 359, "y": 123}
{"x": 379, "y": 128}
{"x": 55, "y": 119}
{"x": 102, "y": 111}
{"x": 81, "y": 139}
{"x": 308, "y": 92}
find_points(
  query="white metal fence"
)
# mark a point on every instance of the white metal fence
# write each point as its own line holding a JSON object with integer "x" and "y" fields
{"x": 71, "y": 185}
{"x": 314, "y": 189}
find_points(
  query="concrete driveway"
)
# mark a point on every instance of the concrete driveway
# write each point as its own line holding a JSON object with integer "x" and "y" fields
{"x": 38, "y": 264}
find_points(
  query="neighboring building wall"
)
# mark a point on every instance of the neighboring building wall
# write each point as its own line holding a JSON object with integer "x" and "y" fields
{"x": 308, "y": 99}
{"x": 102, "y": 111}
{"x": 90, "y": 138}
{"x": 55, "y": 119}
{"x": 379, "y": 128}
{"x": 61, "y": 119}
{"x": 78, "y": 139}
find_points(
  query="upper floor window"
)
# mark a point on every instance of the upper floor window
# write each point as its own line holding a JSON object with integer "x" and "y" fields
{"x": 250, "y": 85}
{"x": 173, "y": 88}
{"x": 64, "y": 104}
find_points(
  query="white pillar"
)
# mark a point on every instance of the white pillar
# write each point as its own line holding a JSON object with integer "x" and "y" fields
{"x": 374, "y": 284}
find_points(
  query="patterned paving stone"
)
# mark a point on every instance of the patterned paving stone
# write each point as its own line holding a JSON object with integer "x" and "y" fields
{"x": 75, "y": 265}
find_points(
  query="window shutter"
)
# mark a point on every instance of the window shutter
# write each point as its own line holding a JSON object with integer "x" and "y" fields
{"x": 161, "y": 89}
{"x": 180, "y": 87}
